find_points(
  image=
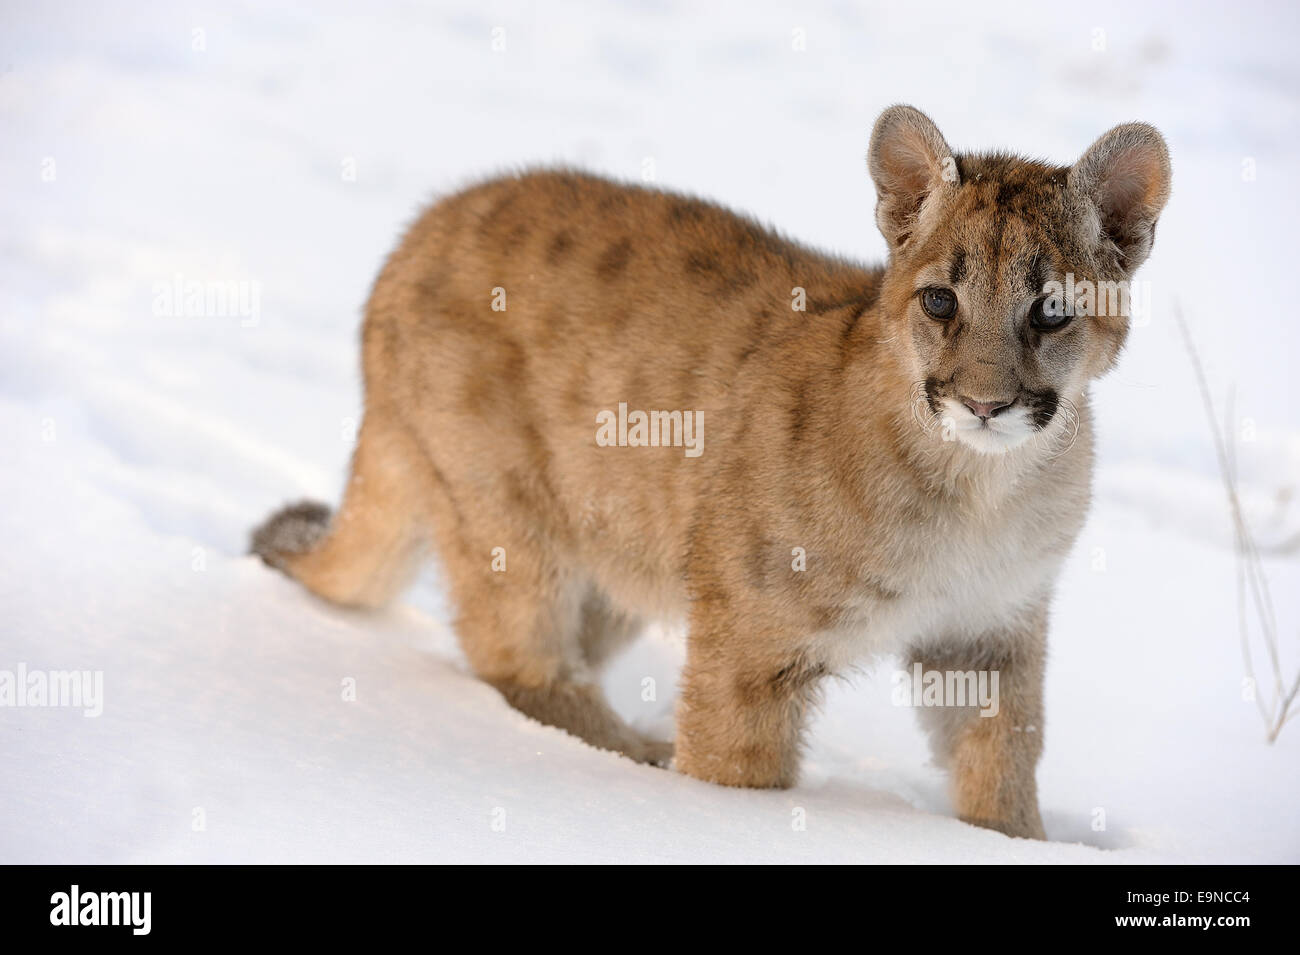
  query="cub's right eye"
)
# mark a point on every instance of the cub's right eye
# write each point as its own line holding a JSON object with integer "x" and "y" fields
{"x": 939, "y": 303}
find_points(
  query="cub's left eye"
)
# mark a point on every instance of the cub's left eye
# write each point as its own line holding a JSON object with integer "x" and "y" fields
{"x": 939, "y": 303}
{"x": 1047, "y": 315}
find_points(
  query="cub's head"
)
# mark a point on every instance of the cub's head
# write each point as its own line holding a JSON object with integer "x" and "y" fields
{"x": 1009, "y": 280}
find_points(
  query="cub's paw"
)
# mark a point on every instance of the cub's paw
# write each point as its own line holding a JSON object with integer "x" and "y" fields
{"x": 651, "y": 752}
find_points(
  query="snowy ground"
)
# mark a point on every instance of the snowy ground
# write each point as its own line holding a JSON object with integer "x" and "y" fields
{"x": 285, "y": 145}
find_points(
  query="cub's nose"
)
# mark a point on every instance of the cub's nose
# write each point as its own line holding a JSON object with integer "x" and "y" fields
{"x": 985, "y": 409}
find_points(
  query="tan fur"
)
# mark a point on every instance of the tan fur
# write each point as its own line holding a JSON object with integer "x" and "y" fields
{"x": 825, "y": 433}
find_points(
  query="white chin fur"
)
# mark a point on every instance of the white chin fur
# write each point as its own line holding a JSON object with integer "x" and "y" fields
{"x": 998, "y": 436}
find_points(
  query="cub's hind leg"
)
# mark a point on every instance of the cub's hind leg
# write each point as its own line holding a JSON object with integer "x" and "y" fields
{"x": 366, "y": 552}
{"x": 605, "y": 629}
{"x": 526, "y": 627}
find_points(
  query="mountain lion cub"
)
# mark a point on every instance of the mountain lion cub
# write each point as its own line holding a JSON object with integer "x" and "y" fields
{"x": 601, "y": 403}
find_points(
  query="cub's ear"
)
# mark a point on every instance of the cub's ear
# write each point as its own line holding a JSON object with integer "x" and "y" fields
{"x": 909, "y": 161}
{"x": 1124, "y": 176}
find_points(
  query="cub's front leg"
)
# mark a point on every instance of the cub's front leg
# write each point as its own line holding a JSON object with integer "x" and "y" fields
{"x": 746, "y": 690}
{"x": 992, "y": 758}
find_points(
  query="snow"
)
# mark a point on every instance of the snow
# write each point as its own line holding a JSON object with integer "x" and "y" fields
{"x": 139, "y": 448}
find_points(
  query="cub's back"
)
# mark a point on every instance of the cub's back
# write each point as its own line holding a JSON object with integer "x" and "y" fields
{"x": 604, "y": 294}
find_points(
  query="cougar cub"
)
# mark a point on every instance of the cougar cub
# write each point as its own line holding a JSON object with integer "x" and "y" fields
{"x": 599, "y": 403}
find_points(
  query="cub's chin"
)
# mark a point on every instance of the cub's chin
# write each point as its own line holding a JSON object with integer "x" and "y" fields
{"x": 987, "y": 441}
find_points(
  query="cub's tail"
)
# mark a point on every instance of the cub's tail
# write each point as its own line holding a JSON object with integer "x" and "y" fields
{"x": 366, "y": 552}
{"x": 292, "y": 530}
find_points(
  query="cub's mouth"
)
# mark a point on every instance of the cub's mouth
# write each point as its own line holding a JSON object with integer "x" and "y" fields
{"x": 994, "y": 434}
{"x": 992, "y": 425}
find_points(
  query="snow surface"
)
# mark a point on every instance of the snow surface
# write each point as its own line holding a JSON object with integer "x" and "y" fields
{"x": 140, "y": 448}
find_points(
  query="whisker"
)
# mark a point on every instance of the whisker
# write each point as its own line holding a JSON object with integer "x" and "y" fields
{"x": 1072, "y": 424}
{"x": 924, "y": 416}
